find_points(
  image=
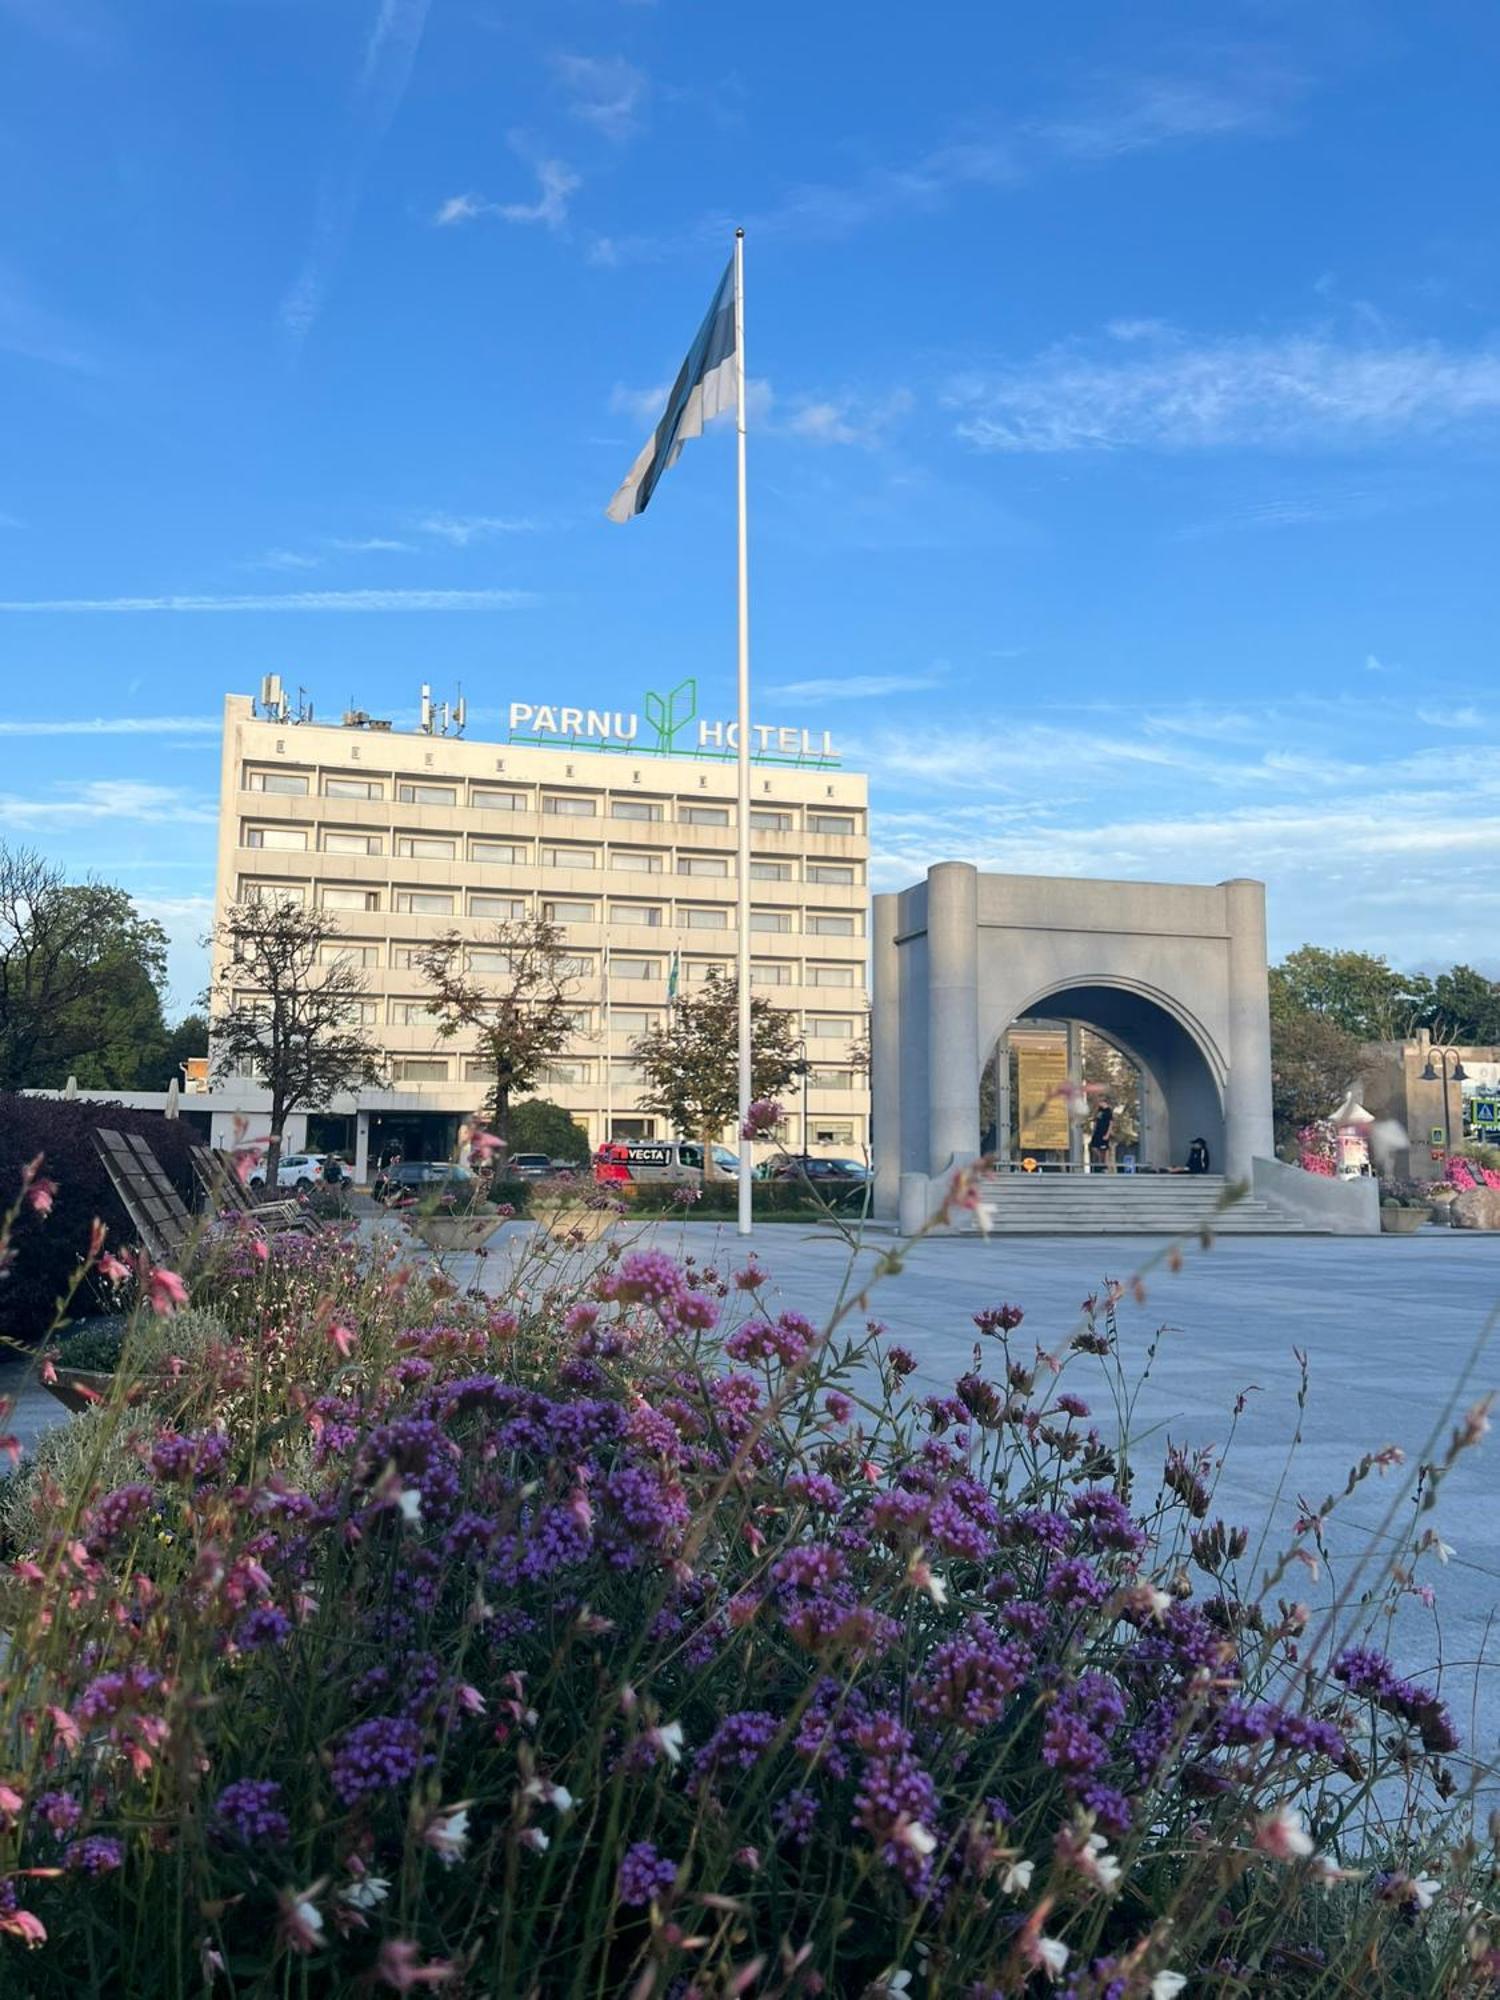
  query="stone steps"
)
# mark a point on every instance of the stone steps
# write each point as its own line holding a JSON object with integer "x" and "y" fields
{"x": 1125, "y": 1205}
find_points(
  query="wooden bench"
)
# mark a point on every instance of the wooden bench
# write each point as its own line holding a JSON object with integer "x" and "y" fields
{"x": 219, "y": 1176}
{"x": 156, "y": 1210}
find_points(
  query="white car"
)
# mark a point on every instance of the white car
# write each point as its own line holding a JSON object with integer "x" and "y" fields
{"x": 293, "y": 1170}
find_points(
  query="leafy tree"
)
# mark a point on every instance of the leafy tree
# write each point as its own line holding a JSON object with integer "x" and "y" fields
{"x": 539, "y": 1126}
{"x": 284, "y": 1015}
{"x": 691, "y": 1065}
{"x": 1314, "y": 1061}
{"x": 80, "y": 980}
{"x": 1356, "y": 990}
{"x": 519, "y": 1025}
{"x": 1465, "y": 1007}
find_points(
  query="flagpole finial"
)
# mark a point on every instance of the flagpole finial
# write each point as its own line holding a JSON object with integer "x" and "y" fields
{"x": 740, "y": 233}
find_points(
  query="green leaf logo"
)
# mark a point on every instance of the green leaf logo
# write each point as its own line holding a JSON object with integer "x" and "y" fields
{"x": 670, "y": 713}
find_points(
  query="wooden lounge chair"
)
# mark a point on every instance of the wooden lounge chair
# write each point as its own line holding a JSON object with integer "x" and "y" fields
{"x": 220, "y": 1179}
{"x": 154, "y": 1206}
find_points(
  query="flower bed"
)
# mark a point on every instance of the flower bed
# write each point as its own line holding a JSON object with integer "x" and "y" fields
{"x": 627, "y": 1638}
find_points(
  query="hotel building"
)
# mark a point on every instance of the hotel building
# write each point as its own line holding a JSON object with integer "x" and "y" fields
{"x": 406, "y": 835}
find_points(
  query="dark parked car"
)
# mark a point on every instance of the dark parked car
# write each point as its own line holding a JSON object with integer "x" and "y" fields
{"x": 804, "y": 1166}
{"x": 532, "y": 1167}
{"x": 420, "y": 1180}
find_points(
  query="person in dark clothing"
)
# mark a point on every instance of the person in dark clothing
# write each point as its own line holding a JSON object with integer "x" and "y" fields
{"x": 1099, "y": 1138}
{"x": 1198, "y": 1157}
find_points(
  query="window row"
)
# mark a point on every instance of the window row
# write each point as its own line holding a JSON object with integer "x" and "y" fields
{"x": 562, "y": 1074}
{"x": 633, "y": 861}
{"x": 619, "y": 965}
{"x": 562, "y": 805}
{"x": 498, "y": 907}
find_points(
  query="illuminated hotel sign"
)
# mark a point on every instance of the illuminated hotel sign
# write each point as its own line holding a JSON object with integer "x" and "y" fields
{"x": 672, "y": 728}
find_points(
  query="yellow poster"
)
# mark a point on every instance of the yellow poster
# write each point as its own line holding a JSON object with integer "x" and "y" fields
{"x": 1041, "y": 1071}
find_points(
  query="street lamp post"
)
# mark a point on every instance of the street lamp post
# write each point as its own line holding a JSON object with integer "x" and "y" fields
{"x": 1459, "y": 1075}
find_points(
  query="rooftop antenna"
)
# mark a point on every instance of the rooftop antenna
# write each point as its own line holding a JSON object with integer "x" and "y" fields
{"x": 273, "y": 698}
{"x": 304, "y": 707}
{"x": 426, "y": 723}
{"x": 460, "y": 712}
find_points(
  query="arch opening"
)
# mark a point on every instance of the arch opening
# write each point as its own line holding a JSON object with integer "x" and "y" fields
{"x": 1133, "y": 1052}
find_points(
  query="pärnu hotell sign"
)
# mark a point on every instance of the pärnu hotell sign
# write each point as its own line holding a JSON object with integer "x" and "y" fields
{"x": 670, "y": 727}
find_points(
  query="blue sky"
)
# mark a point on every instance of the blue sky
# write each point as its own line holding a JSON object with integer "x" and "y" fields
{"x": 1126, "y": 412}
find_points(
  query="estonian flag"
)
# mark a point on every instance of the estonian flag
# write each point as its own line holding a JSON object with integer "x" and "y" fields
{"x": 705, "y": 388}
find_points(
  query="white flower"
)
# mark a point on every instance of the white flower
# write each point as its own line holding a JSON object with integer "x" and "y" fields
{"x": 1423, "y": 1889}
{"x": 409, "y": 1500}
{"x": 534, "y": 1838}
{"x": 1052, "y": 1956}
{"x": 1284, "y": 1836}
{"x": 549, "y": 1794}
{"x": 1167, "y": 1985}
{"x": 1015, "y": 1880}
{"x": 368, "y": 1892}
{"x": 893, "y": 1982}
{"x": 916, "y": 1837}
{"x": 666, "y": 1740}
{"x": 921, "y": 1577}
{"x": 1100, "y": 1863}
{"x": 448, "y": 1834}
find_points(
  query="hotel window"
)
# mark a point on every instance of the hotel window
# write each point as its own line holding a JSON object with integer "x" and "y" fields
{"x": 578, "y": 965}
{"x": 419, "y": 847}
{"x": 771, "y": 972}
{"x": 634, "y": 968}
{"x": 272, "y": 892}
{"x": 427, "y": 795}
{"x": 291, "y": 784}
{"x": 508, "y": 909}
{"x": 703, "y": 920}
{"x": 822, "y": 924}
{"x": 831, "y": 1079}
{"x": 568, "y": 1074}
{"x": 833, "y": 975}
{"x": 570, "y": 857}
{"x": 424, "y": 902}
{"x": 626, "y": 1073}
{"x": 567, "y": 805}
{"x": 570, "y": 913}
{"x": 353, "y": 788}
{"x": 489, "y": 961}
{"x": 635, "y": 809}
{"x": 840, "y": 823}
{"x": 833, "y": 1132}
{"x": 770, "y": 920}
{"x": 351, "y": 843}
{"x": 648, "y": 914}
{"x": 704, "y": 864}
{"x": 770, "y": 871}
{"x": 359, "y": 1013}
{"x": 829, "y": 1028}
{"x": 410, "y": 1014}
{"x": 404, "y": 957}
{"x": 510, "y": 851}
{"x": 696, "y": 970}
{"x": 498, "y": 802}
{"x": 763, "y": 820}
{"x": 581, "y": 1020}
{"x": 838, "y": 874}
{"x": 632, "y": 1128}
{"x": 636, "y": 860}
{"x": 420, "y": 1069}
{"x": 279, "y": 839}
{"x": 332, "y": 897}
{"x": 477, "y": 1070}
{"x": 342, "y": 953}
{"x": 705, "y": 815}
{"x": 633, "y": 1020}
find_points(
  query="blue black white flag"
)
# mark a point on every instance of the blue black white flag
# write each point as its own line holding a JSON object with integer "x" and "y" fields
{"x": 705, "y": 388}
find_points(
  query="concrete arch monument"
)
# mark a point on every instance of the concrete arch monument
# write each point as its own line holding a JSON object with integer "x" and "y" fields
{"x": 1174, "y": 974}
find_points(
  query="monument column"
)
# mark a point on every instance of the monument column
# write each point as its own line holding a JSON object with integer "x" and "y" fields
{"x": 885, "y": 1055}
{"x": 952, "y": 1014}
{"x": 1249, "y": 1131}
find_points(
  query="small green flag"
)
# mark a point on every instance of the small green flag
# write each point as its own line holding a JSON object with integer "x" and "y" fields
{"x": 673, "y": 966}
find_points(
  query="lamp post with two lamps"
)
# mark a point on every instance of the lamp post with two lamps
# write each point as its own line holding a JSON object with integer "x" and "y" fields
{"x": 1458, "y": 1074}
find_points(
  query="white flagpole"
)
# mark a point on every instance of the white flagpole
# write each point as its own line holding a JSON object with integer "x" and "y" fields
{"x": 746, "y": 1148}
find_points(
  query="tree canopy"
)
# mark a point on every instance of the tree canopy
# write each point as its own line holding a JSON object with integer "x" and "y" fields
{"x": 1356, "y": 990}
{"x": 691, "y": 1063}
{"x": 537, "y": 1125}
{"x": 520, "y": 1017}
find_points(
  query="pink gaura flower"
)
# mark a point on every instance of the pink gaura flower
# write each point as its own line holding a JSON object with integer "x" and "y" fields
{"x": 40, "y": 1196}
{"x": 342, "y": 1338}
{"x": 165, "y": 1291}
{"x": 400, "y": 1967}
{"x": 300, "y": 1924}
{"x": 22, "y": 1924}
{"x": 112, "y": 1269}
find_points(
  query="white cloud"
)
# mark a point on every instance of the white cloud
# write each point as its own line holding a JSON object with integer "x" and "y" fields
{"x": 112, "y": 799}
{"x": 1161, "y": 111}
{"x": 369, "y": 545}
{"x": 556, "y": 185}
{"x": 604, "y": 91}
{"x": 1467, "y": 718}
{"x": 286, "y": 559}
{"x": 850, "y": 687}
{"x": 112, "y": 725}
{"x": 848, "y": 419}
{"x": 301, "y": 600}
{"x": 462, "y": 529}
{"x": 643, "y": 406}
{"x": 1277, "y": 393}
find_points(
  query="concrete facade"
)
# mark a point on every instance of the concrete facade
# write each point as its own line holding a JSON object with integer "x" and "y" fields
{"x": 1432, "y": 1111}
{"x": 1174, "y": 974}
{"x": 408, "y": 835}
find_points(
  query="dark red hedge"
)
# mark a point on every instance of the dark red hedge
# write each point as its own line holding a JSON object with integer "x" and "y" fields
{"x": 46, "y": 1250}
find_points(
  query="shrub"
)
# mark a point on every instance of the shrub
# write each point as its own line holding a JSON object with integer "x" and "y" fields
{"x": 48, "y": 1249}
{"x": 627, "y": 1637}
